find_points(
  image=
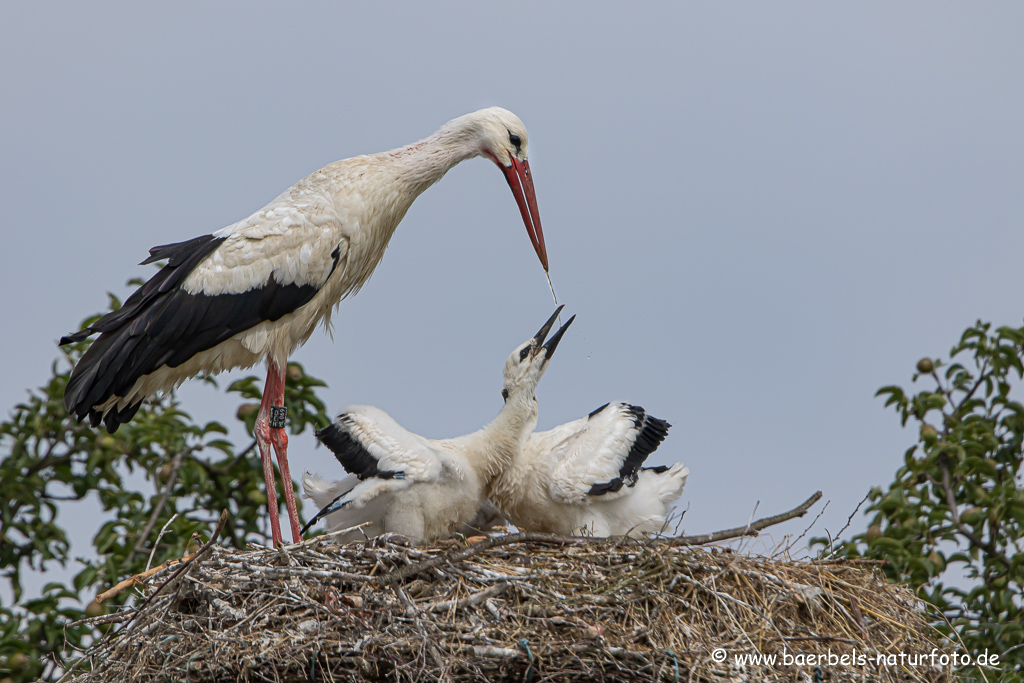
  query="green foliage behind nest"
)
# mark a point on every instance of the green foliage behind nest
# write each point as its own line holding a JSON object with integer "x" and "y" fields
{"x": 957, "y": 504}
{"x": 49, "y": 460}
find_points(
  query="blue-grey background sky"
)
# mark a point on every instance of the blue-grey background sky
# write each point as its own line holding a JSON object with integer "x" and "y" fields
{"x": 759, "y": 213}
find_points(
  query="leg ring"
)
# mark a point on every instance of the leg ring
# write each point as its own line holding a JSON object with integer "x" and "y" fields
{"x": 278, "y": 417}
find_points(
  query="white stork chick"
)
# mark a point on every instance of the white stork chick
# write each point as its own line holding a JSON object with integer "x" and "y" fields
{"x": 323, "y": 493}
{"x": 257, "y": 289}
{"x": 585, "y": 477}
{"x": 425, "y": 488}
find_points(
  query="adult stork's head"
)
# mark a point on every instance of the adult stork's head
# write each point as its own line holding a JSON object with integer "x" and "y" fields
{"x": 501, "y": 137}
{"x": 526, "y": 365}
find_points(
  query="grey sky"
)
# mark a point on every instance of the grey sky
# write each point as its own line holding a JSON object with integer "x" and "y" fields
{"x": 760, "y": 214}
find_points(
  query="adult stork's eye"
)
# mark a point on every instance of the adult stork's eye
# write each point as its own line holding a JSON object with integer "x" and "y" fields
{"x": 504, "y": 394}
{"x": 515, "y": 140}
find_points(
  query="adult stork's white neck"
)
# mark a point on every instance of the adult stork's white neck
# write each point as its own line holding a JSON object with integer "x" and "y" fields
{"x": 257, "y": 289}
{"x": 495, "y": 133}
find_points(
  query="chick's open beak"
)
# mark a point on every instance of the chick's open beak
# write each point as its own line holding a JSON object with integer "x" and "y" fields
{"x": 549, "y": 347}
{"x": 538, "y": 338}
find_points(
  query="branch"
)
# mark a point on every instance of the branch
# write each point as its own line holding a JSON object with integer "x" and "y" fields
{"x": 141, "y": 577}
{"x": 14, "y": 505}
{"x": 945, "y": 391}
{"x": 849, "y": 521}
{"x": 184, "y": 561}
{"x": 469, "y": 601}
{"x": 751, "y": 529}
{"x": 988, "y": 548}
{"x": 48, "y": 460}
{"x": 185, "y": 565}
{"x": 141, "y": 538}
{"x": 981, "y": 378}
{"x": 313, "y": 540}
{"x": 98, "y": 621}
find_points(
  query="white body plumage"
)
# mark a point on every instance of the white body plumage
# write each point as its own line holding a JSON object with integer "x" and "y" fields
{"x": 585, "y": 477}
{"x": 443, "y": 481}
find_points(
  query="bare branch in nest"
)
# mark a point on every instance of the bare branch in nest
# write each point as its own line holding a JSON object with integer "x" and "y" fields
{"x": 184, "y": 565}
{"x": 474, "y": 599}
{"x": 141, "y": 577}
{"x": 107, "y": 619}
{"x": 751, "y": 529}
{"x": 316, "y": 539}
{"x": 454, "y": 556}
{"x": 185, "y": 560}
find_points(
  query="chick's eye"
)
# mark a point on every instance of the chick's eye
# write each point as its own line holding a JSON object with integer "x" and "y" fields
{"x": 523, "y": 353}
{"x": 504, "y": 394}
{"x": 515, "y": 140}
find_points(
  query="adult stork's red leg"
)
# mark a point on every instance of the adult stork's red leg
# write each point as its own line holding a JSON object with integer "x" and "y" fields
{"x": 262, "y": 432}
{"x": 279, "y": 438}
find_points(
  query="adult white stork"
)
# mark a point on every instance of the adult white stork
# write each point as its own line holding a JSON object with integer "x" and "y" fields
{"x": 257, "y": 289}
{"x": 425, "y": 488}
{"x": 585, "y": 477}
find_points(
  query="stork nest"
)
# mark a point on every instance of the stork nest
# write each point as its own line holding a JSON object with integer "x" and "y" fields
{"x": 510, "y": 609}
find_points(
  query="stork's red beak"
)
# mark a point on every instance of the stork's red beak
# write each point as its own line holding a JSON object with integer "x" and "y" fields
{"x": 519, "y": 179}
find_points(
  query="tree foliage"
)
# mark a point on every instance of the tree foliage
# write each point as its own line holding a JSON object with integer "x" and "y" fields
{"x": 952, "y": 523}
{"x": 158, "y": 480}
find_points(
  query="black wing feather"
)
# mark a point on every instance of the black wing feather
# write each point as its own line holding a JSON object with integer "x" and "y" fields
{"x": 651, "y": 432}
{"x": 161, "y": 324}
{"x": 353, "y": 455}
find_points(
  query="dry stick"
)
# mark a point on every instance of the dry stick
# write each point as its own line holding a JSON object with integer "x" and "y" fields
{"x": 96, "y": 621}
{"x": 811, "y": 526}
{"x": 136, "y": 579}
{"x": 849, "y": 520}
{"x": 315, "y": 539}
{"x": 185, "y": 564}
{"x": 751, "y": 529}
{"x": 411, "y": 610}
{"x": 471, "y": 600}
{"x": 175, "y": 466}
{"x": 156, "y": 544}
{"x": 852, "y": 561}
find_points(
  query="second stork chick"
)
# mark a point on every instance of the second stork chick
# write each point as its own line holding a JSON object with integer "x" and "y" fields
{"x": 585, "y": 477}
{"x": 425, "y": 488}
